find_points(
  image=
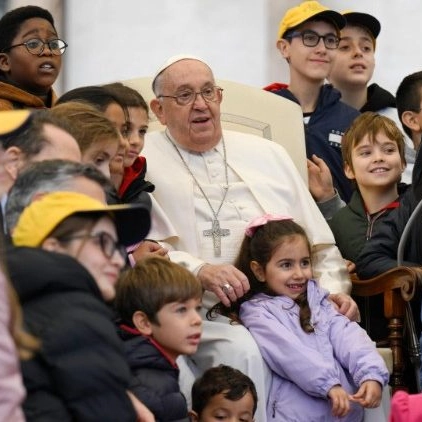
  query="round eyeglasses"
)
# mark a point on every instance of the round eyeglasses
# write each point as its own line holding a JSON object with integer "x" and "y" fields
{"x": 188, "y": 96}
{"x": 36, "y": 46}
{"x": 311, "y": 39}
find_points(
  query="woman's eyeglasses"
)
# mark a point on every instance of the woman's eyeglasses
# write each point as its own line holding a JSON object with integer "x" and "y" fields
{"x": 107, "y": 244}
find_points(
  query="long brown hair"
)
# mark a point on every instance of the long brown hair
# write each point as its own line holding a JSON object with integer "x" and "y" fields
{"x": 26, "y": 344}
{"x": 260, "y": 248}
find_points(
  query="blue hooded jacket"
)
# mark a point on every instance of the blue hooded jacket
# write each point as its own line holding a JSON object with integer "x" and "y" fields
{"x": 324, "y": 131}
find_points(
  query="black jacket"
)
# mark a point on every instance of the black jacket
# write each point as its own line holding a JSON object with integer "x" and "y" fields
{"x": 80, "y": 373}
{"x": 353, "y": 227}
{"x": 135, "y": 188}
{"x": 154, "y": 378}
{"x": 380, "y": 252}
{"x": 378, "y": 98}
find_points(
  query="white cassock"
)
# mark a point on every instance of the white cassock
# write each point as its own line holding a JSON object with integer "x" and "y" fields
{"x": 262, "y": 179}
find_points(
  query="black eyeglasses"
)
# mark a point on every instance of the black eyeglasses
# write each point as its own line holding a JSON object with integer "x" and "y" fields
{"x": 311, "y": 39}
{"x": 107, "y": 244}
{"x": 36, "y": 46}
{"x": 188, "y": 96}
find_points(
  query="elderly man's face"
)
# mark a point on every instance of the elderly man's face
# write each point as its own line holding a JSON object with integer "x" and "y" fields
{"x": 195, "y": 126}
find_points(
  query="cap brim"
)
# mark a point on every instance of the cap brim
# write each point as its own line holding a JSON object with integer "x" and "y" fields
{"x": 330, "y": 15}
{"x": 133, "y": 221}
{"x": 13, "y": 122}
{"x": 364, "y": 19}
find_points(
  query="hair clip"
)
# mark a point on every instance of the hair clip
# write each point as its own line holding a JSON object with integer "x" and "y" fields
{"x": 262, "y": 220}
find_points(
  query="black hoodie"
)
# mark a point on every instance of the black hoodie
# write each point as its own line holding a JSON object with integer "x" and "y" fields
{"x": 80, "y": 373}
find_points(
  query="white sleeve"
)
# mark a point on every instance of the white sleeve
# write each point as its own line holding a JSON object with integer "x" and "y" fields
{"x": 330, "y": 269}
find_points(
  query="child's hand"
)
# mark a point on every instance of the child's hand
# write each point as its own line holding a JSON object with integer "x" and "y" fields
{"x": 340, "y": 401}
{"x": 142, "y": 412}
{"x": 351, "y": 266}
{"x": 368, "y": 395}
{"x": 149, "y": 248}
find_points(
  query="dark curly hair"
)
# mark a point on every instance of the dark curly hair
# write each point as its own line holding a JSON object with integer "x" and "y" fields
{"x": 222, "y": 379}
{"x": 11, "y": 22}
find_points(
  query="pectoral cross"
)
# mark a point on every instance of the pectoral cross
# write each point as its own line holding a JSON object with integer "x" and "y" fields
{"x": 216, "y": 232}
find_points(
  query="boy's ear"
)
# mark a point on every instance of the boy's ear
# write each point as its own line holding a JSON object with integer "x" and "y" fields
{"x": 4, "y": 62}
{"x": 410, "y": 120}
{"x": 157, "y": 108}
{"x": 142, "y": 323}
{"x": 13, "y": 161}
{"x": 193, "y": 416}
{"x": 283, "y": 46}
{"x": 258, "y": 271}
{"x": 348, "y": 171}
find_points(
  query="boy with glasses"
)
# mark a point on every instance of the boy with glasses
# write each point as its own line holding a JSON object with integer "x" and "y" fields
{"x": 30, "y": 58}
{"x": 308, "y": 38}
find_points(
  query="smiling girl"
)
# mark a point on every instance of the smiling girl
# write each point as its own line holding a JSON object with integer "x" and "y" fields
{"x": 323, "y": 365}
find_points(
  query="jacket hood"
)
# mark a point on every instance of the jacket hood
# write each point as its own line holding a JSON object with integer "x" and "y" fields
{"x": 378, "y": 98}
{"x": 34, "y": 271}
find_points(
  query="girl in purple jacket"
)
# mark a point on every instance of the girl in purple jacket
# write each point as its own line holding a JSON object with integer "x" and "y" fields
{"x": 324, "y": 367}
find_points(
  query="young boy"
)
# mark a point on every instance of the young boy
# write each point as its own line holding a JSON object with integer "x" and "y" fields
{"x": 30, "y": 58}
{"x": 223, "y": 393}
{"x": 380, "y": 252}
{"x": 373, "y": 154}
{"x": 133, "y": 185}
{"x": 409, "y": 106}
{"x": 158, "y": 303}
{"x": 308, "y": 38}
{"x": 353, "y": 68}
{"x": 96, "y": 135}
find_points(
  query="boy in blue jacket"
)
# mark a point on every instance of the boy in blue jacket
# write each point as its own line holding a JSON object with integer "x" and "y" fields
{"x": 308, "y": 39}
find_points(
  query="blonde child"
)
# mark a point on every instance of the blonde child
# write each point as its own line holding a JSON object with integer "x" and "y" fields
{"x": 97, "y": 137}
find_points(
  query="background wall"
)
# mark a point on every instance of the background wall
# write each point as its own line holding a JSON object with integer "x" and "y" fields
{"x": 113, "y": 40}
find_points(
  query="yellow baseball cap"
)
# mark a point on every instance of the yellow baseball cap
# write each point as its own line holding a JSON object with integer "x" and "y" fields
{"x": 13, "y": 121}
{"x": 306, "y": 11}
{"x": 43, "y": 215}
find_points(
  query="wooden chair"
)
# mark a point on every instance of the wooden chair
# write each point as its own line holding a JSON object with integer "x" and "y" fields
{"x": 398, "y": 287}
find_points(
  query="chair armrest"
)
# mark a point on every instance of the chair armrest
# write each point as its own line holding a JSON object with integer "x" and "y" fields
{"x": 398, "y": 286}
